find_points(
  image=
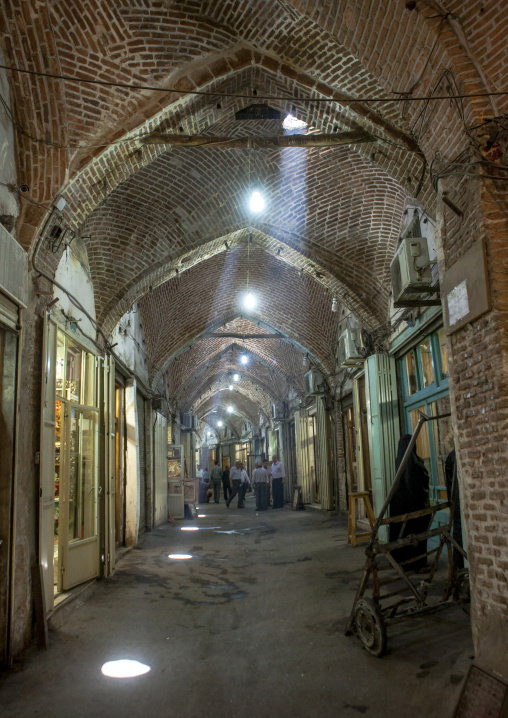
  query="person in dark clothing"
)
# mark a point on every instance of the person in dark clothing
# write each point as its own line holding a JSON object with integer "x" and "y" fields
{"x": 225, "y": 483}
{"x": 412, "y": 494}
{"x": 458, "y": 558}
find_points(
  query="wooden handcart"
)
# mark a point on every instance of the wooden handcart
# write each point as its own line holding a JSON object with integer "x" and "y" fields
{"x": 396, "y": 592}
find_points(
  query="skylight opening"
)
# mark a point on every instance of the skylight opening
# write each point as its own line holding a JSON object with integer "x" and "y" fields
{"x": 293, "y": 124}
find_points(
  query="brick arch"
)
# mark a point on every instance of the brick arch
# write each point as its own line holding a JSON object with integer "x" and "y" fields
{"x": 275, "y": 371}
{"x": 199, "y": 115}
{"x": 349, "y": 233}
{"x": 254, "y": 389}
{"x": 298, "y": 304}
{"x": 244, "y": 408}
{"x": 89, "y": 108}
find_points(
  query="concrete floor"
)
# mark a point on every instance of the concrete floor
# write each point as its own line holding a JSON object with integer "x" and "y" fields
{"x": 251, "y": 626}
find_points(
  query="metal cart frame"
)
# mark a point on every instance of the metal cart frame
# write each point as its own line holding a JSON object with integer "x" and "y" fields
{"x": 370, "y": 616}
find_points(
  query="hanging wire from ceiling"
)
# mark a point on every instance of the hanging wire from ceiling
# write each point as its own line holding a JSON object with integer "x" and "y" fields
{"x": 208, "y": 93}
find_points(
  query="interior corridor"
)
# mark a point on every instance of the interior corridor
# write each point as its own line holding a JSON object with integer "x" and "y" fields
{"x": 251, "y": 626}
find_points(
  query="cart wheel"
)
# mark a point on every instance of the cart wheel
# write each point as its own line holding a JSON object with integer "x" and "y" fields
{"x": 370, "y": 626}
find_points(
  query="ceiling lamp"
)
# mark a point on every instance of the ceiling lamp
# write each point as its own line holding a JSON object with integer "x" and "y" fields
{"x": 219, "y": 423}
{"x": 236, "y": 377}
{"x": 244, "y": 359}
{"x": 230, "y": 409}
{"x": 305, "y": 361}
{"x": 249, "y": 301}
{"x": 257, "y": 202}
{"x": 335, "y": 305}
{"x": 230, "y": 387}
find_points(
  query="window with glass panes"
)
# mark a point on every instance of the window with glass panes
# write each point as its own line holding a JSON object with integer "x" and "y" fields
{"x": 424, "y": 377}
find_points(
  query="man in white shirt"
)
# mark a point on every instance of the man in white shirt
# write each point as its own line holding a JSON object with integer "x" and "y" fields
{"x": 278, "y": 476}
{"x": 235, "y": 479}
{"x": 259, "y": 479}
{"x": 215, "y": 481}
{"x": 243, "y": 487}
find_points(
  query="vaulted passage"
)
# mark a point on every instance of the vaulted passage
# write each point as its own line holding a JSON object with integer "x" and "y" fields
{"x": 237, "y": 230}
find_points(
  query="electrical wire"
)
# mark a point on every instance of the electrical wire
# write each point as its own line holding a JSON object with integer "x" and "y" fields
{"x": 206, "y": 93}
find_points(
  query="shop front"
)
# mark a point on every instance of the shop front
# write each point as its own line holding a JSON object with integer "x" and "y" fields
{"x": 78, "y": 508}
{"x": 9, "y": 346}
{"x": 314, "y": 454}
{"x": 423, "y": 373}
{"x": 13, "y": 300}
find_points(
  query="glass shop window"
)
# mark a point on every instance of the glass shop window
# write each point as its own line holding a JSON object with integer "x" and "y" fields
{"x": 425, "y": 367}
{"x": 75, "y": 372}
{"x": 424, "y": 380}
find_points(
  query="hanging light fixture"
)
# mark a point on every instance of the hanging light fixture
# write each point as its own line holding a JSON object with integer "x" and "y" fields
{"x": 244, "y": 358}
{"x": 230, "y": 409}
{"x": 305, "y": 361}
{"x": 236, "y": 377}
{"x": 219, "y": 423}
{"x": 257, "y": 201}
{"x": 249, "y": 301}
{"x": 231, "y": 387}
{"x": 335, "y": 305}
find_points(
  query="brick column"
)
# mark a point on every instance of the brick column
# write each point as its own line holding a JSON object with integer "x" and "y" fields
{"x": 479, "y": 396}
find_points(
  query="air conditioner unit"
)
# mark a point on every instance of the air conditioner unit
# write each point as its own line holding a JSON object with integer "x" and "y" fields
{"x": 279, "y": 410}
{"x": 411, "y": 270}
{"x": 188, "y": 421}
{"x": 351, "y": 348}
{"x": 160, "y": 404}
{"x": 314, "y": 382}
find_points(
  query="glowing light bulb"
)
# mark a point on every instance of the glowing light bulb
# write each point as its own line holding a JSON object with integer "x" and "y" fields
{"x": 250, "y": 301}
{"x": 230, "y": 409}
{"x": 236, "y": 377}
{"x": 257, "y": 203}
{"x": 244, "y": 359}
{"x": 219, "y": 423}
{"x": 230, "y": 387}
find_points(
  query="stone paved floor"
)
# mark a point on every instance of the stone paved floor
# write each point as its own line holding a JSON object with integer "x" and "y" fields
{"x": 251, "y": 626}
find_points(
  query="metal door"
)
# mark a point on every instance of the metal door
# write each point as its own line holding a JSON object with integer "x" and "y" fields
{"x": 8, "y": 390}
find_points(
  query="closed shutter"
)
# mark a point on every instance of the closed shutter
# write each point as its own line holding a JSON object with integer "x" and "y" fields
{"x": 142, "y": 462}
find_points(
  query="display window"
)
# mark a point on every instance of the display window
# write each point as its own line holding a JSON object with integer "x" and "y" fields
{"x": 424, "y": 380}
{"x": 76, "y": 464}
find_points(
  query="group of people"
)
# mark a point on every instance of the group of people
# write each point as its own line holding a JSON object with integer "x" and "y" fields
{"x": 265, "y": 479}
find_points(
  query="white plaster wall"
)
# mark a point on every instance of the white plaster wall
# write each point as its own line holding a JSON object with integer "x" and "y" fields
{"x": 8, "y": 200}
{"x": 74, "y": 276}
{"x": 130, "y": 344}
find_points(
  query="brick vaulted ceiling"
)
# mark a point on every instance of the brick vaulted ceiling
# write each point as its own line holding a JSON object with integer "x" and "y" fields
{"x": 169, "y": 228}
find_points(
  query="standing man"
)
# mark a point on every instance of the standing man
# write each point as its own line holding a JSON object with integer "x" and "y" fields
{"x": 215, "y": 481}
{"x": 278, "y": 476}
{"x": 235, "y": 480}
{"x": 199, "y": 472}
{"x": 225, "y": 483}
{"x": 259, "y": 479}
{"x": 243, "y": 487}
{"x": 266, "y": 467}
